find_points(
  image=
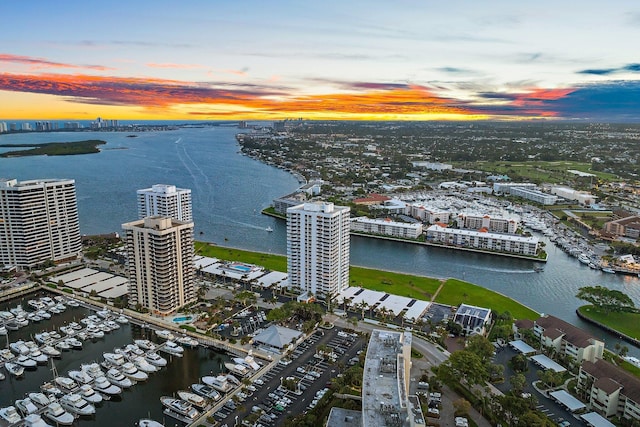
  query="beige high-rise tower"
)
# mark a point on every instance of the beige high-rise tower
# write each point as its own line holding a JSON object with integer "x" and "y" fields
{"x": 38, "y": 222}
{"x": 160, "y": 263}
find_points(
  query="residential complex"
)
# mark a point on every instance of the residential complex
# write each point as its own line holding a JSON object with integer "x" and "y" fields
{"x": 628, "y": 227}
{"x": 386, "y": 227}
{"x": 509, "y": 243}
{"x": 318, "y": 248}
{"x": 582, "y": 197}
{"x": 609, "y": 390}
{"x": 160, "y": 263}
{"x": 38, "y": 222}
{"x": 565, "y": 338}
{"x": 165, "y": 200}
{"x": 534, "y": 195}
{"x": 494, "y": 224}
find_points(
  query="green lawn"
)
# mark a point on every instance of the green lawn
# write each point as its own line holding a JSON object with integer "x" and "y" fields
{"x": 627, "y": 323}
{"x": 538, "y": 170}
{"x": 406, "y": 285}
{"x": 456, "y": 292}
{"x": 268, "y": 261}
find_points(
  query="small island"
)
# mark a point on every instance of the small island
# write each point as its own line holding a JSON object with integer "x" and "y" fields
{"x": 55, "y": 148}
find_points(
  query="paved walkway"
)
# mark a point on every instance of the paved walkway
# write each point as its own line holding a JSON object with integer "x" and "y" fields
{"x": 435, "y": 294}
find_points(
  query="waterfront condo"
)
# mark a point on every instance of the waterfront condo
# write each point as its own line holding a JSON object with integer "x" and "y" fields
{"x": 165, "y": 200}
{"x": 38, "y": 222}
{"x": 160, "y": 263}
{"x": 318, "y": 248}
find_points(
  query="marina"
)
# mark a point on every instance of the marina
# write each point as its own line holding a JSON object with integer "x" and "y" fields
{"x": 77, "y": 389}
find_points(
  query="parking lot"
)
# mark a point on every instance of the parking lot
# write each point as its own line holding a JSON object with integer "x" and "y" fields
{"x": 271, "y": 401}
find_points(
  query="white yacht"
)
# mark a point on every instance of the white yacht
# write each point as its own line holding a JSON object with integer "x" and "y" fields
{"x": 219, "y": 383}
{"x": 145, "y": 344}
{"x": 51, "y": 351}
{"x": 247, "y": 361}
{"x": 205, "y": 391}
{"x": 66, "y": 384}
{"x": 133, "y": 373}
{"x": 117, "y": 378}
{"x": 19, "y": 347}
{"x": 192, "y": 398}
{"x": 172, "y": 348}
{"x": 165, "y": 334}
{"x": 38, "y": 356}
{"x": 43, "y": 337}
{"x": 188, "y": 341}
{"x": 35, "y": 420}
{"x": 26, "y": 406}
{"x": 92, "y": 369}
{"x": 40, "y": 399}
{"x": 75, "y": 404}
{"x": 10, "y": 415}
{"x": 80, "y": 376}
{"x": 89, "y": 394}
{"x": 74, "y": 343}
{"x": 122, "y": 320}
{"x": 240, "y": 370}
{"x": 155, "y": 359}
{"x": 56, "y": 413}
{"x": 116, "y": 359}
{"x": 63, "y": 345}
{"x": 104, "y": 314}
{"x": 51, "y": 388}
{"x": 14, "y": 369}
{"x": 26, "y": 362}
{"x": 104, "y": 386}
{"x": 3, "y": 330}
{"x": 180, "y": 407}
{"x": 147, "y": 422}
{"x": 142, "y": 364}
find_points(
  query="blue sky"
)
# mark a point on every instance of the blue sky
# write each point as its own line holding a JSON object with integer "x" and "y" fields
{"x": 354, "y": 60}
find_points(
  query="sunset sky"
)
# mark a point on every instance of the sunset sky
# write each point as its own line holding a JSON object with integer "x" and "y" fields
{"x": 350, "y": 60}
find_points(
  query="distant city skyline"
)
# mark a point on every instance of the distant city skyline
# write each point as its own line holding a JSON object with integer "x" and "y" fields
{"x": 373, "y": 60}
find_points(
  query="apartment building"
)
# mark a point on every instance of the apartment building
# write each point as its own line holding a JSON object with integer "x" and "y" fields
{"x": 165, "y": 200}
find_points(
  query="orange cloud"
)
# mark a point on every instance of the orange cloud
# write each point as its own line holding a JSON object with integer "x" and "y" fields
{"x": 176, "y": 66}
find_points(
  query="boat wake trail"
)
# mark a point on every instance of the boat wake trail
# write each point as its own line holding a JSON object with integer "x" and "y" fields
{"x": 503, "y": 270}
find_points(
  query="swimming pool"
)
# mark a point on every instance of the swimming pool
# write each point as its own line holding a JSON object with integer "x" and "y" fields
{"x": 241, "y": 267}
{"x": 182, "y": 319}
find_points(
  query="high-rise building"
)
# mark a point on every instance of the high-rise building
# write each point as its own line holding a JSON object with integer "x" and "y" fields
{"x": 318, "y": 248}
{"x": 160, "y": 263}
{"x": 165, "y": 200}
{"x": 38, "y": 222}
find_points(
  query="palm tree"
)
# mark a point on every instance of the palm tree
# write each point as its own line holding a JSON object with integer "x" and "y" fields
{"x": 362, "y": 305}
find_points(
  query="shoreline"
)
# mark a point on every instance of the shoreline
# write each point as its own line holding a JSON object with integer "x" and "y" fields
{"x": 434, "y": 245}
{"x": 622, "y": 335}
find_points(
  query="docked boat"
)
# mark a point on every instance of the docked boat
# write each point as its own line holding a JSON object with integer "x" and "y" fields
{"x": 145, "y": 344}
{"x": 117, "y": 378}
{"x": 92, "y": 369}
{"x": 44, "y": 314}
{"x": 33, "y": 317}
{"x": 233, "y": 380}
{"x": 56, "y": 413}
{"x": 38, "y": 356}
{"x": 130, "y": 371}
{"x": 219, "y": 383}
{"x": 116, "y": 359}
{"x": 187, "y": 341}
{"x": 68, "y": 330}
{"x": 75, "y": 404}
{"x": 122, "y": 320}
{"x": 26, "y": 362}
{"x": 5, "y": 354}
{"x": 74, "y": 343}
{"x": 142, "y": 364}
{"x": 205, "y": 391}
{"x": 89, "y": 394}
{"x": 192, "y": 398}
{"x": 584, "y": 259}
{"x": 72, "y": 303}
{"x": 19, "y": 347}
{"x": 104, "y": 314}
{"x": 147, "y": 422}
{"x": 35, "y": 420}
{"x": 39, "y": 399}
{"x": 165, "y": 334}
{"x": 12, "y": 325}
{"x": 63, "y": 345}
{"x": 155, "y": 359}
{"x": 43, "y": 337}
{"x": 237, "y": 369}
{"x": 180, "y": 407}
{"x": 10, "y": 415}
{"x": 94, "y": 331}
{"x": 26, "y": 406}
{"x": 103, "y": 385}
{"x": 3, "y": 330}
{"x": 14, "y": 369}
{"x": 80, "y": 376}
{"x": 608, "y": 270}
{"x": 51, "y": 388}
{"x": 65, "y": 384}
{"x": 133, "y": 350}
{"x": 172, "y": 348}
{"x": 247, "y": 361}
{"x": 51, "y": 351}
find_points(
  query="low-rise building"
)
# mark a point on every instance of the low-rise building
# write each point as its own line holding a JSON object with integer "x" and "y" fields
{"x": 609, "y": 390}
{"x": 509, "y": 243}
{"x": 494, "y": 224}
{"x": 505, "y": 187}
{"x": 386, "y": 227}
{"x": 564, "y": 338}
{"x": 474, "y": 320}
{"x": 534, "y": 195}
{"x": 626, "y": 227}
{"x": 567, "y": 193}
